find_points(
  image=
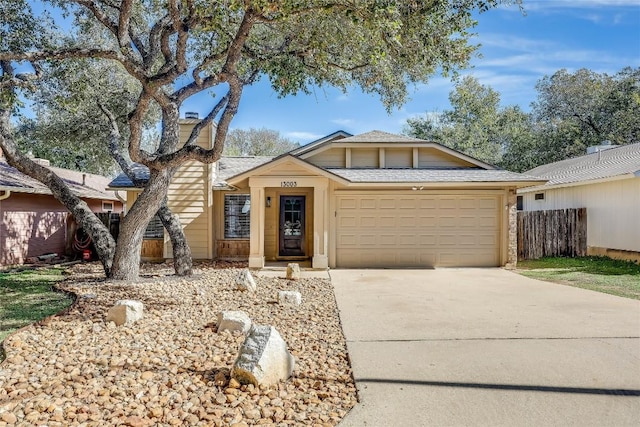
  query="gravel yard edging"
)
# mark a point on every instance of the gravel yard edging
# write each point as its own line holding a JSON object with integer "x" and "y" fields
{"x": 76, "y": 369}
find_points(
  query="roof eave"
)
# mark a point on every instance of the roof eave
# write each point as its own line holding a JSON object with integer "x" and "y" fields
{"x": 445, "y": 184}
{"x": 579, "y": 183}
{"x": 24, "y": 190}
{"x": 138, "y": 189}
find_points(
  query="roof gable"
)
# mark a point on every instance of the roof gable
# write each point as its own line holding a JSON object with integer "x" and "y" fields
{"x": 614, "y": 162}
{"x": 286, "y": 162}
{"x": 378, "y": 138}
{"x": 313, "y": 145}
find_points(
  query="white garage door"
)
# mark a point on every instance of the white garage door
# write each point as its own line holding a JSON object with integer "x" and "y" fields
{"x": 418, "y": 231}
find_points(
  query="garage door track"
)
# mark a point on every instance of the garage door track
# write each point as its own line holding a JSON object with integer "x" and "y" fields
{"x": 487, "y": 347}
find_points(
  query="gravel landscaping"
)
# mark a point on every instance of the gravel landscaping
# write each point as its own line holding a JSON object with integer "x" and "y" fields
{"x": 171, "y": 367}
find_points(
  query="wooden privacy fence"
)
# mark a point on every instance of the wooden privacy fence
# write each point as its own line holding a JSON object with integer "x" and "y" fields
{"x": 561, "y": 232}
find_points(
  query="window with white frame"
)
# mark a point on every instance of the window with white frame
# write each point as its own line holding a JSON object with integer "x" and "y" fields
{"x": 237, "y": 216}
{"x": 107, "y": 206}
{"x": 154, "y": 230}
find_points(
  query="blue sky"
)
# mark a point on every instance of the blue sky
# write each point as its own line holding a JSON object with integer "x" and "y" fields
{"x": 517, "y": 51}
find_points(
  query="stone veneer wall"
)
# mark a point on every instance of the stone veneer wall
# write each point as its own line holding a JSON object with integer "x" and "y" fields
{"x": 512, "y": 251}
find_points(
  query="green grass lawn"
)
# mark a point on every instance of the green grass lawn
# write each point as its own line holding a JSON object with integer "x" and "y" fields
{"x": 600, "y": 274}
{"x": 28, "y": 296}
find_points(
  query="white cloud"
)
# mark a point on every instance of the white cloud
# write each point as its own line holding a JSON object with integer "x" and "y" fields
{"x": 506, "y": 41}
{"x": 343, "y": 122}
{"x": 577, "y": 4}
{"x": 303, "y": 136}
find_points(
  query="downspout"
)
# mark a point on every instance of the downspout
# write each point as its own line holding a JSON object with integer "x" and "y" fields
{"x": 123, "y": 201}
{"x": 5, "y": 196}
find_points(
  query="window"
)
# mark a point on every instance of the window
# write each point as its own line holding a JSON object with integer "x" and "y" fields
{"x": 236, "y": 216}
{"x": 107, "y": 206}
{"x": 539, "y": 196}
{"x": 154, "y": 230}
{"x": 519, "y": 202}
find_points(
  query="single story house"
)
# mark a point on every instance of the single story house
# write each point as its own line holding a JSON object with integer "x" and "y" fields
{"x": 607, "y": 183}
{"x": 34, "y": 223}
{"x": 369, "y": 200}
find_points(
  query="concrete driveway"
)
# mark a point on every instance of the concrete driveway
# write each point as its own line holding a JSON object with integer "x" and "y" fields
{"x": 487, "y": 347}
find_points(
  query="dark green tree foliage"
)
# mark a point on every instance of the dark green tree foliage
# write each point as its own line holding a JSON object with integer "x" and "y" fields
{"x": 476, "y": 125}
{"x": 572, "y": 112}
{"x": 70, "y": 128}
{"x": 577, "y": 110}
{"x": 257, "y": 142}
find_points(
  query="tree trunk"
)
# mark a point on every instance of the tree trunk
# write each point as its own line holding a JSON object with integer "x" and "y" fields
{"x": 103, "y": 241}
{"x": 126, "y": 261}
{"x": 182, "y": 261}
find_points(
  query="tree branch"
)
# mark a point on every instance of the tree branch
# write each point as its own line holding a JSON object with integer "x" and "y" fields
{"x": 195, "y": 132}
{"x": 114, "y": 147}
{"x": 77, "y": 53}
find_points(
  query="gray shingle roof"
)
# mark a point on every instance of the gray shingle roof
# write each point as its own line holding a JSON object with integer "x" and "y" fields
{"x": 141, "y": 172}
{"x": 338, "y": 135}
{"x": 431, "y": 175}
{"x": 382, "y": 137}
{"x": 605, "y": 164}
{"x": 232, "y": 166}
{"x": 227, "y": 167}
{"x": 94, "y": 188}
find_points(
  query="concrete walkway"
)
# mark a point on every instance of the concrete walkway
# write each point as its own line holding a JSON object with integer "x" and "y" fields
{"x": 487, "y": 347}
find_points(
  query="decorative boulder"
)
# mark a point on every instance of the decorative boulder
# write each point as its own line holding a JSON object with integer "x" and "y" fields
{"x": 293, "y": 271}
{"x": 290, "y": 297}
{"x": 233, "y": 321}
{"x": 125, "y": 312}
{"x": 245, "y": 281}
{"x": 264, "y": 358}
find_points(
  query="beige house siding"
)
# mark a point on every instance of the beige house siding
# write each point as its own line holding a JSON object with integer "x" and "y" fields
{"x": 613, "y": 210}
{"x": 398, "y": 157}
{"x": 331, "y": 158}
{"x": 190, "y": 197}
{"x": 434, "y": 158}
{"x": 365, "y": 157}
{"x": 286, "y": 170}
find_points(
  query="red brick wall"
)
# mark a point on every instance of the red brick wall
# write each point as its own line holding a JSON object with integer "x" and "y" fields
{"x": 34, "y": 225}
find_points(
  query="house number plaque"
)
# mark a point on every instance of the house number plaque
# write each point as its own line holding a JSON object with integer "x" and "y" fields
{"x": 288, "y": 184}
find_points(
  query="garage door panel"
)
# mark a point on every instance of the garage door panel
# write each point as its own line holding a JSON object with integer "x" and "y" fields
{"x": 407, "y": 221}
{"x": 368, "y": 203}
{"x": 407, "y": 240}
{"x": 347, "y": 221}
{"x": 368, "y": 221}
{"x": 387, "y": 221}
{"x": 421, "y": 231}
{"x": 386, "y": 203}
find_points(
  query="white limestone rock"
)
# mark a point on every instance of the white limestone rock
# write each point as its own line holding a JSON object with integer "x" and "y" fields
{"x": 125, "y": 312}
{"x": 290, "y": 297}
{"x": 264, "y": 358}
{"x": 293, "y": 271}
{"x": 233, "y": 321}
{"x": 245, "y": 281}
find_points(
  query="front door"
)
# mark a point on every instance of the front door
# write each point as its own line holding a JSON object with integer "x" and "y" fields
{"x": 292, "y": 226}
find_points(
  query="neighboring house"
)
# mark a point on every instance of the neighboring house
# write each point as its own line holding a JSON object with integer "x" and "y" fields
{"x": 34, "y": 223}
{"x": 607, "y": 183}
{"x": 370, "y": 200}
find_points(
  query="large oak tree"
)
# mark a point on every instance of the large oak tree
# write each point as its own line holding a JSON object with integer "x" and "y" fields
{"x": 175, "y": 49}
